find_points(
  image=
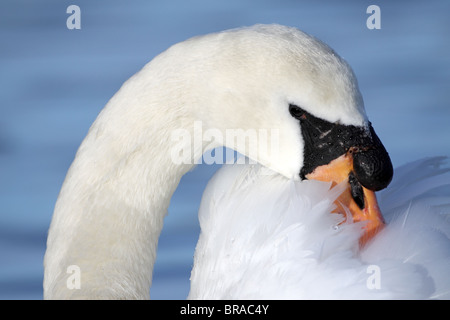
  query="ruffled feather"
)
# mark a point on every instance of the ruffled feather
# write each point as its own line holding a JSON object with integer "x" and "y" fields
{"x": 266, "y": 237}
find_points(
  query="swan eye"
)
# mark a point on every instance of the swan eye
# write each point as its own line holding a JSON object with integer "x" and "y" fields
{"x": 297, "y": 112}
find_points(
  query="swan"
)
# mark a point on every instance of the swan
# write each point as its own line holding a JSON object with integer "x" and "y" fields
{"x": 110, "y": 209}
{"x": 264, "y": 236}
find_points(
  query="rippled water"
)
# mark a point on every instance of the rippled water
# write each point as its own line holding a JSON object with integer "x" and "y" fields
{"x": 54, "y": 81}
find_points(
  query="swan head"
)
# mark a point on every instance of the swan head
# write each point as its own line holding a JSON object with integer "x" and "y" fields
{"x": 279, "y": 78}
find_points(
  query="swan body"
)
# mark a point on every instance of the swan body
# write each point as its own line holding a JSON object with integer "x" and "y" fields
{"x": 111, "y": 207}
{"x": 264, "y": 236}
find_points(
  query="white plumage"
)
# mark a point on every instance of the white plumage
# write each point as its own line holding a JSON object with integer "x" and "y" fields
{"x": 110, "y": 211}
{"x": 264, "y": 236}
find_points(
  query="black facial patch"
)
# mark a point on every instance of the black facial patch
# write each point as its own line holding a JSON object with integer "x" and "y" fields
{"x": 326, "y": 141}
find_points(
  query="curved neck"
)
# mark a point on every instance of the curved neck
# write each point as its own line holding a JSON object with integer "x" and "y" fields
{"x": 110, "y": 211}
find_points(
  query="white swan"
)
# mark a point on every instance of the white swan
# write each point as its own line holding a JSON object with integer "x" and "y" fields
{"x": 111, "y": 207}
{"x": 264, "y": 236}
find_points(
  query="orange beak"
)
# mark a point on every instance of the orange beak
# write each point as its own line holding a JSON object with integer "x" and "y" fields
{"x": 339, "y": 170}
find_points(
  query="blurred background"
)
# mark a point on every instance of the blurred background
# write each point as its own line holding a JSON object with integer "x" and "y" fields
{"x": 54, "y": 81}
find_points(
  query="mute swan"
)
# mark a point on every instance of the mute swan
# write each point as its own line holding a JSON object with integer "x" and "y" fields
{"x": 264, "y": 236}
{"x": 111, "y": 207}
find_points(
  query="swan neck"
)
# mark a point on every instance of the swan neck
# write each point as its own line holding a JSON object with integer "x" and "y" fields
{"x": 110, "y": 211}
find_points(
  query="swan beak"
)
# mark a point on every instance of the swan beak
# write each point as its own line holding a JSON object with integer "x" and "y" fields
{"x": 357, "y": 200}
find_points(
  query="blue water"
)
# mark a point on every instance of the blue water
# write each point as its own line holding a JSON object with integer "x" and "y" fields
{"x": 54, "y": 81}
